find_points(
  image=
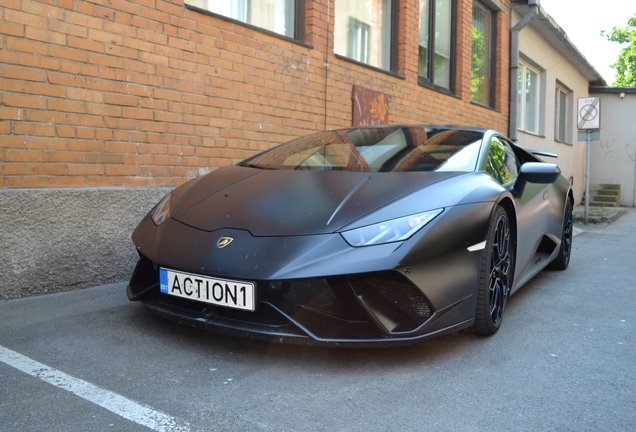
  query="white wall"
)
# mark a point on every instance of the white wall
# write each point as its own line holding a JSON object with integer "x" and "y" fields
{"x": 614, "y": 157}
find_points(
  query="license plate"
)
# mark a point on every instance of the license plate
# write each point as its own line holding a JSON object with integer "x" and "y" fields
{"x": 221, "y": 292}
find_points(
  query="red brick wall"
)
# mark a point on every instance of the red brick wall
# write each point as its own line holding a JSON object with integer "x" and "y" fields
{"x": 146, "y": 92}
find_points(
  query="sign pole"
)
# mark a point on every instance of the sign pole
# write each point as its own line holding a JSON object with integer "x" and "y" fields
{"x": 589, "y": 120}
{"x": 587, "y": 175}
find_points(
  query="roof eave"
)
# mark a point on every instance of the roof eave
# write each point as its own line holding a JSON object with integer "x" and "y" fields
{"x": 548, "y": 28}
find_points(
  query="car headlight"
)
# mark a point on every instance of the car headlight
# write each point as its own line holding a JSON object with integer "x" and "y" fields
{"x": 162, "y": 211}
{"x": 390, "y": 231}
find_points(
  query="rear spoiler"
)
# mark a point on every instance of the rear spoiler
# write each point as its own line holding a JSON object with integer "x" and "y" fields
{"x": 543, "y": 153}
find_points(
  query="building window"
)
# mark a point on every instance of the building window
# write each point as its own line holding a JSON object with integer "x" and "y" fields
{"x": 363, "y": 31}
{"x": 482, "y": 80}
{"x": 562, "y": 117}
{"x": 278, "y": 16}
{"x": 435, "y": 60}
{"x": 528, "y": 102}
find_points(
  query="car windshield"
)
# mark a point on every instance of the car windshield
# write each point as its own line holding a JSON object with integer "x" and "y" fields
{"x": 381, "y": 149}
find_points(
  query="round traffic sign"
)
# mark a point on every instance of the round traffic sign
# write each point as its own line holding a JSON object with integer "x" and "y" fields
{"x": 588, "y": 112}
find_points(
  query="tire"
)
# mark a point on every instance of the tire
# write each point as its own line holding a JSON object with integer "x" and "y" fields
{"x": 497, "y": 271}
{"x": 562, "y": 260}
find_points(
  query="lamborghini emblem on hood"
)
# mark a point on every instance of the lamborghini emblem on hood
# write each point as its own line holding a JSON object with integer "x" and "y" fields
{"x": 224, "y": 241}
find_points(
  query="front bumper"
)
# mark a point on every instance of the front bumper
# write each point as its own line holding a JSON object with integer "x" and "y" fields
{"x": 374, "y": 309}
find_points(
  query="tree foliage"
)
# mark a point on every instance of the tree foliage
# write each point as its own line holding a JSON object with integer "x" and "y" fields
{"x": 478, "y": 76}
{"x": 626, "y": 64}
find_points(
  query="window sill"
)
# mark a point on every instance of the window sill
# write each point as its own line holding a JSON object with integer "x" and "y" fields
{"x": 488, "y": 107}
{"x": 563, "y": 142}
{"x": 368, "y": 66}
{"x": 250, "y": 26}
{"x": 422, "y": 82}
{"x": 536, "y": 134}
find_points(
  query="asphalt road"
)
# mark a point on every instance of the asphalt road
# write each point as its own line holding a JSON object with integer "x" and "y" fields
{"x": 564, "y": 360}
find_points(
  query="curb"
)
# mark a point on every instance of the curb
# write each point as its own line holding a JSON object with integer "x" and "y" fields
{"x": 598, "y": 215}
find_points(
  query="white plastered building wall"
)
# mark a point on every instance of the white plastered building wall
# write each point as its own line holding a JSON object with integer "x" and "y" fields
{"x": 545, "y": 48}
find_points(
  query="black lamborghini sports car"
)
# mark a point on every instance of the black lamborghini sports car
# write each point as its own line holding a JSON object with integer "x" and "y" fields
{"x": 367, "y": 236}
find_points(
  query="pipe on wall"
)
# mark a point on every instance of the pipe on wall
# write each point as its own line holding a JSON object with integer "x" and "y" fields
{"x": 514, "y": 66}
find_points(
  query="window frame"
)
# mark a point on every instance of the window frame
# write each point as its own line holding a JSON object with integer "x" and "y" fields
{"x": 299, "y": 22}
{"x": 493, "y": 54}
{"x": 567, "y": 120}
{"x": 429, "y": 80}
{"x": 522, "y": 102}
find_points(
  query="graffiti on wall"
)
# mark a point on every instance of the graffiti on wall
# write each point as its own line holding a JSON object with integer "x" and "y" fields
{"x": 613, "y": 158}
{"x": 631, "y": 152}
{"x": 607, "y": 145}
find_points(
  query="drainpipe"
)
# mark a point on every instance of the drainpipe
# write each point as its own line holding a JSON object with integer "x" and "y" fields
{"x": 514, "y": 66}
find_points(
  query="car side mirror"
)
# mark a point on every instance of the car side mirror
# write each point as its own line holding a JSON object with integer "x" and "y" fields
{"x": 536, "y": 172}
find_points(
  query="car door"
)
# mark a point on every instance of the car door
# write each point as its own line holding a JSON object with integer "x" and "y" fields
{"x": 532, "y": 206}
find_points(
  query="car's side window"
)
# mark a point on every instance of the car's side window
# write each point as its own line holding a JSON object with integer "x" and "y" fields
{"x": 502, "y": 163}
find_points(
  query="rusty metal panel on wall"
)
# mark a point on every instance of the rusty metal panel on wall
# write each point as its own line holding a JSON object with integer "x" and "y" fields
{"x": 370, "y": 107}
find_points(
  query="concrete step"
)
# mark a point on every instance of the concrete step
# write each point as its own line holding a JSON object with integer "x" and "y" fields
{"x": 605, "y": 195}
{"x": 602, "y": 204}
{"x": 610, "y": 186}
{"x": 607, "y": 192}
{"x": 604, "y": 198}
{"x": 598, "y": 215}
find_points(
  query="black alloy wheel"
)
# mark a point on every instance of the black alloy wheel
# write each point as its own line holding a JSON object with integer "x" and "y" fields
{"x": 562, "y": 260}
{"x": 496, "y": 275}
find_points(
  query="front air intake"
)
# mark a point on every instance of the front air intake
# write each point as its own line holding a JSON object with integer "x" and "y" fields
{"x": 393, "y": 301}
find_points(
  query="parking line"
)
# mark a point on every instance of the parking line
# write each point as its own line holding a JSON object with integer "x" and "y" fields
{"x": 111, "y": 401}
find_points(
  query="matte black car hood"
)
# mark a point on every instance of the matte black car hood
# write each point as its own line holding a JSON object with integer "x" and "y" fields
{"x": 287, "y": 202}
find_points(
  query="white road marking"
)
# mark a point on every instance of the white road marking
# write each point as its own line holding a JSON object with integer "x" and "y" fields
{"x": 111, "y": 401}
